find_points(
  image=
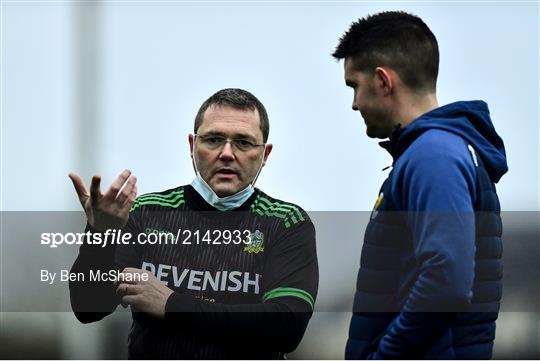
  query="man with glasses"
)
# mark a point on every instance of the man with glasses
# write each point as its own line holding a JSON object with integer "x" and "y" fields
{"x": 236, "y": 274}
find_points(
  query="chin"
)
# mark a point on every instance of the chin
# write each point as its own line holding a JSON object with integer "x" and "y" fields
{"x": 373, "y": 133}
{"x": 224, "y": 190}
{"x": 370, "y": 135}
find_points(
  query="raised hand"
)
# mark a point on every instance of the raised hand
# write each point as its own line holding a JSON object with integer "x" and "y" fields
{"x": 110, "y": 209}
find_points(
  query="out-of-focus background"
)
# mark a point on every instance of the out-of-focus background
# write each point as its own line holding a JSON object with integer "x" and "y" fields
{"x": 97, "y": 87}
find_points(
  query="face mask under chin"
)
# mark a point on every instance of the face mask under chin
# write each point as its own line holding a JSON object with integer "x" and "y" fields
{"x": 223, "y": 203}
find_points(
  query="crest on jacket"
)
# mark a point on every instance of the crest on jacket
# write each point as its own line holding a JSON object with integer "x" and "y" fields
{"x": 257, "y": 243}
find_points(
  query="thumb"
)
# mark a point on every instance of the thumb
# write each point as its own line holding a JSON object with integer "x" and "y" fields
{"x": 78, "y": 184}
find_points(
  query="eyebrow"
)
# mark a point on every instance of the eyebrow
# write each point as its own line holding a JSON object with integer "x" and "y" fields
{"x": 234, "y": 136}
{"x": 350, "y": 83}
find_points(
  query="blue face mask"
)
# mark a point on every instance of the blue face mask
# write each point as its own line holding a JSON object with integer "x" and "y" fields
{"x": 223, "y": 203}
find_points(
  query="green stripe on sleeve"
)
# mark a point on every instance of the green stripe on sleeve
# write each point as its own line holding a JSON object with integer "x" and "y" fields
{"x": 289, "y": 292}
{"x": 292, "y": 208}
{"x": 172, "y": 199}
{"x": 161, "y": 196}
{"x": 256, "y": 208}
{"x": 275, "y": 211}
{"x": 154, "y": 198}
{"x": 157, "y": 203}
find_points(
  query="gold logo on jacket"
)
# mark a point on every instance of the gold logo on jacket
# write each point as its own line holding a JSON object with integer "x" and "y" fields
{"x": 375, "y": 211}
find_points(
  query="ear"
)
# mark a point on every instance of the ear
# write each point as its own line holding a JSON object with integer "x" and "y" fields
{"x": 267, "y": 151}
{"x": 191, "y": 139}
{"x": 386, "y": 81}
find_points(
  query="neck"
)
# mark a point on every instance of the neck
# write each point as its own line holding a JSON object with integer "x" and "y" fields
{"x": 413, "y": 105}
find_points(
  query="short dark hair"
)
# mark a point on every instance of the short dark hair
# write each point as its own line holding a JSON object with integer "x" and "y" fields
{"x": 397, "y": 39}
{"x": 238, "y": 99}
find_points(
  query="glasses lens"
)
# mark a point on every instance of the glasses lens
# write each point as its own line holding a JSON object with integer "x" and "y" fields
{"x": 243, "y": 145}
{"x": 213, "y": 142}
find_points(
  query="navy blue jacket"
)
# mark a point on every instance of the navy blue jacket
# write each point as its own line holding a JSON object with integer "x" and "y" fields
{"x": 429, "y": 284}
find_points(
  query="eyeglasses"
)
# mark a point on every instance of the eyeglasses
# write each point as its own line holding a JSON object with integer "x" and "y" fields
{"x": 215, "y": 142}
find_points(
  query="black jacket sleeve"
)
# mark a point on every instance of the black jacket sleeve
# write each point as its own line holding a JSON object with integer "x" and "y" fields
{"x": 92, "y": 300}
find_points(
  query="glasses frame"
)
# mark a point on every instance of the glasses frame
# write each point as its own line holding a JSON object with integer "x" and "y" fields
{"x": 231, "y": 141}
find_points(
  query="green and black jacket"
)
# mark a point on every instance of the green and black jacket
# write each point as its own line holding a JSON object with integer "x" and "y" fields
{"x": 231, "y": 300}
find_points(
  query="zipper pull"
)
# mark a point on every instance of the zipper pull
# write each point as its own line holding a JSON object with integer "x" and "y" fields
{"x": 385, "y": 168}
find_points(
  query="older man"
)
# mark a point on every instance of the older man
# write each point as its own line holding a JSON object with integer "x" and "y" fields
{"x": 236, "y": 274}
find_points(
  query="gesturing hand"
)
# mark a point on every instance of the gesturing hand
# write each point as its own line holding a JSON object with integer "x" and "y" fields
{"x": 111, "y": 209}
{"x": 148, "y": 296}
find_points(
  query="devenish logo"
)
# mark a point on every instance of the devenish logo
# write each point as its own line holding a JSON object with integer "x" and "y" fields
{"x": 231, "y": 281}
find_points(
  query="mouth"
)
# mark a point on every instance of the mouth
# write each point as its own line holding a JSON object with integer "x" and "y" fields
{"x": 226, "y": 173}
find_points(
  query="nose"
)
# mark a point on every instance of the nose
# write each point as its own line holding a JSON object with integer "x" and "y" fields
{"x": 226, "y": 153}
{"x": 354, "y": 107}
